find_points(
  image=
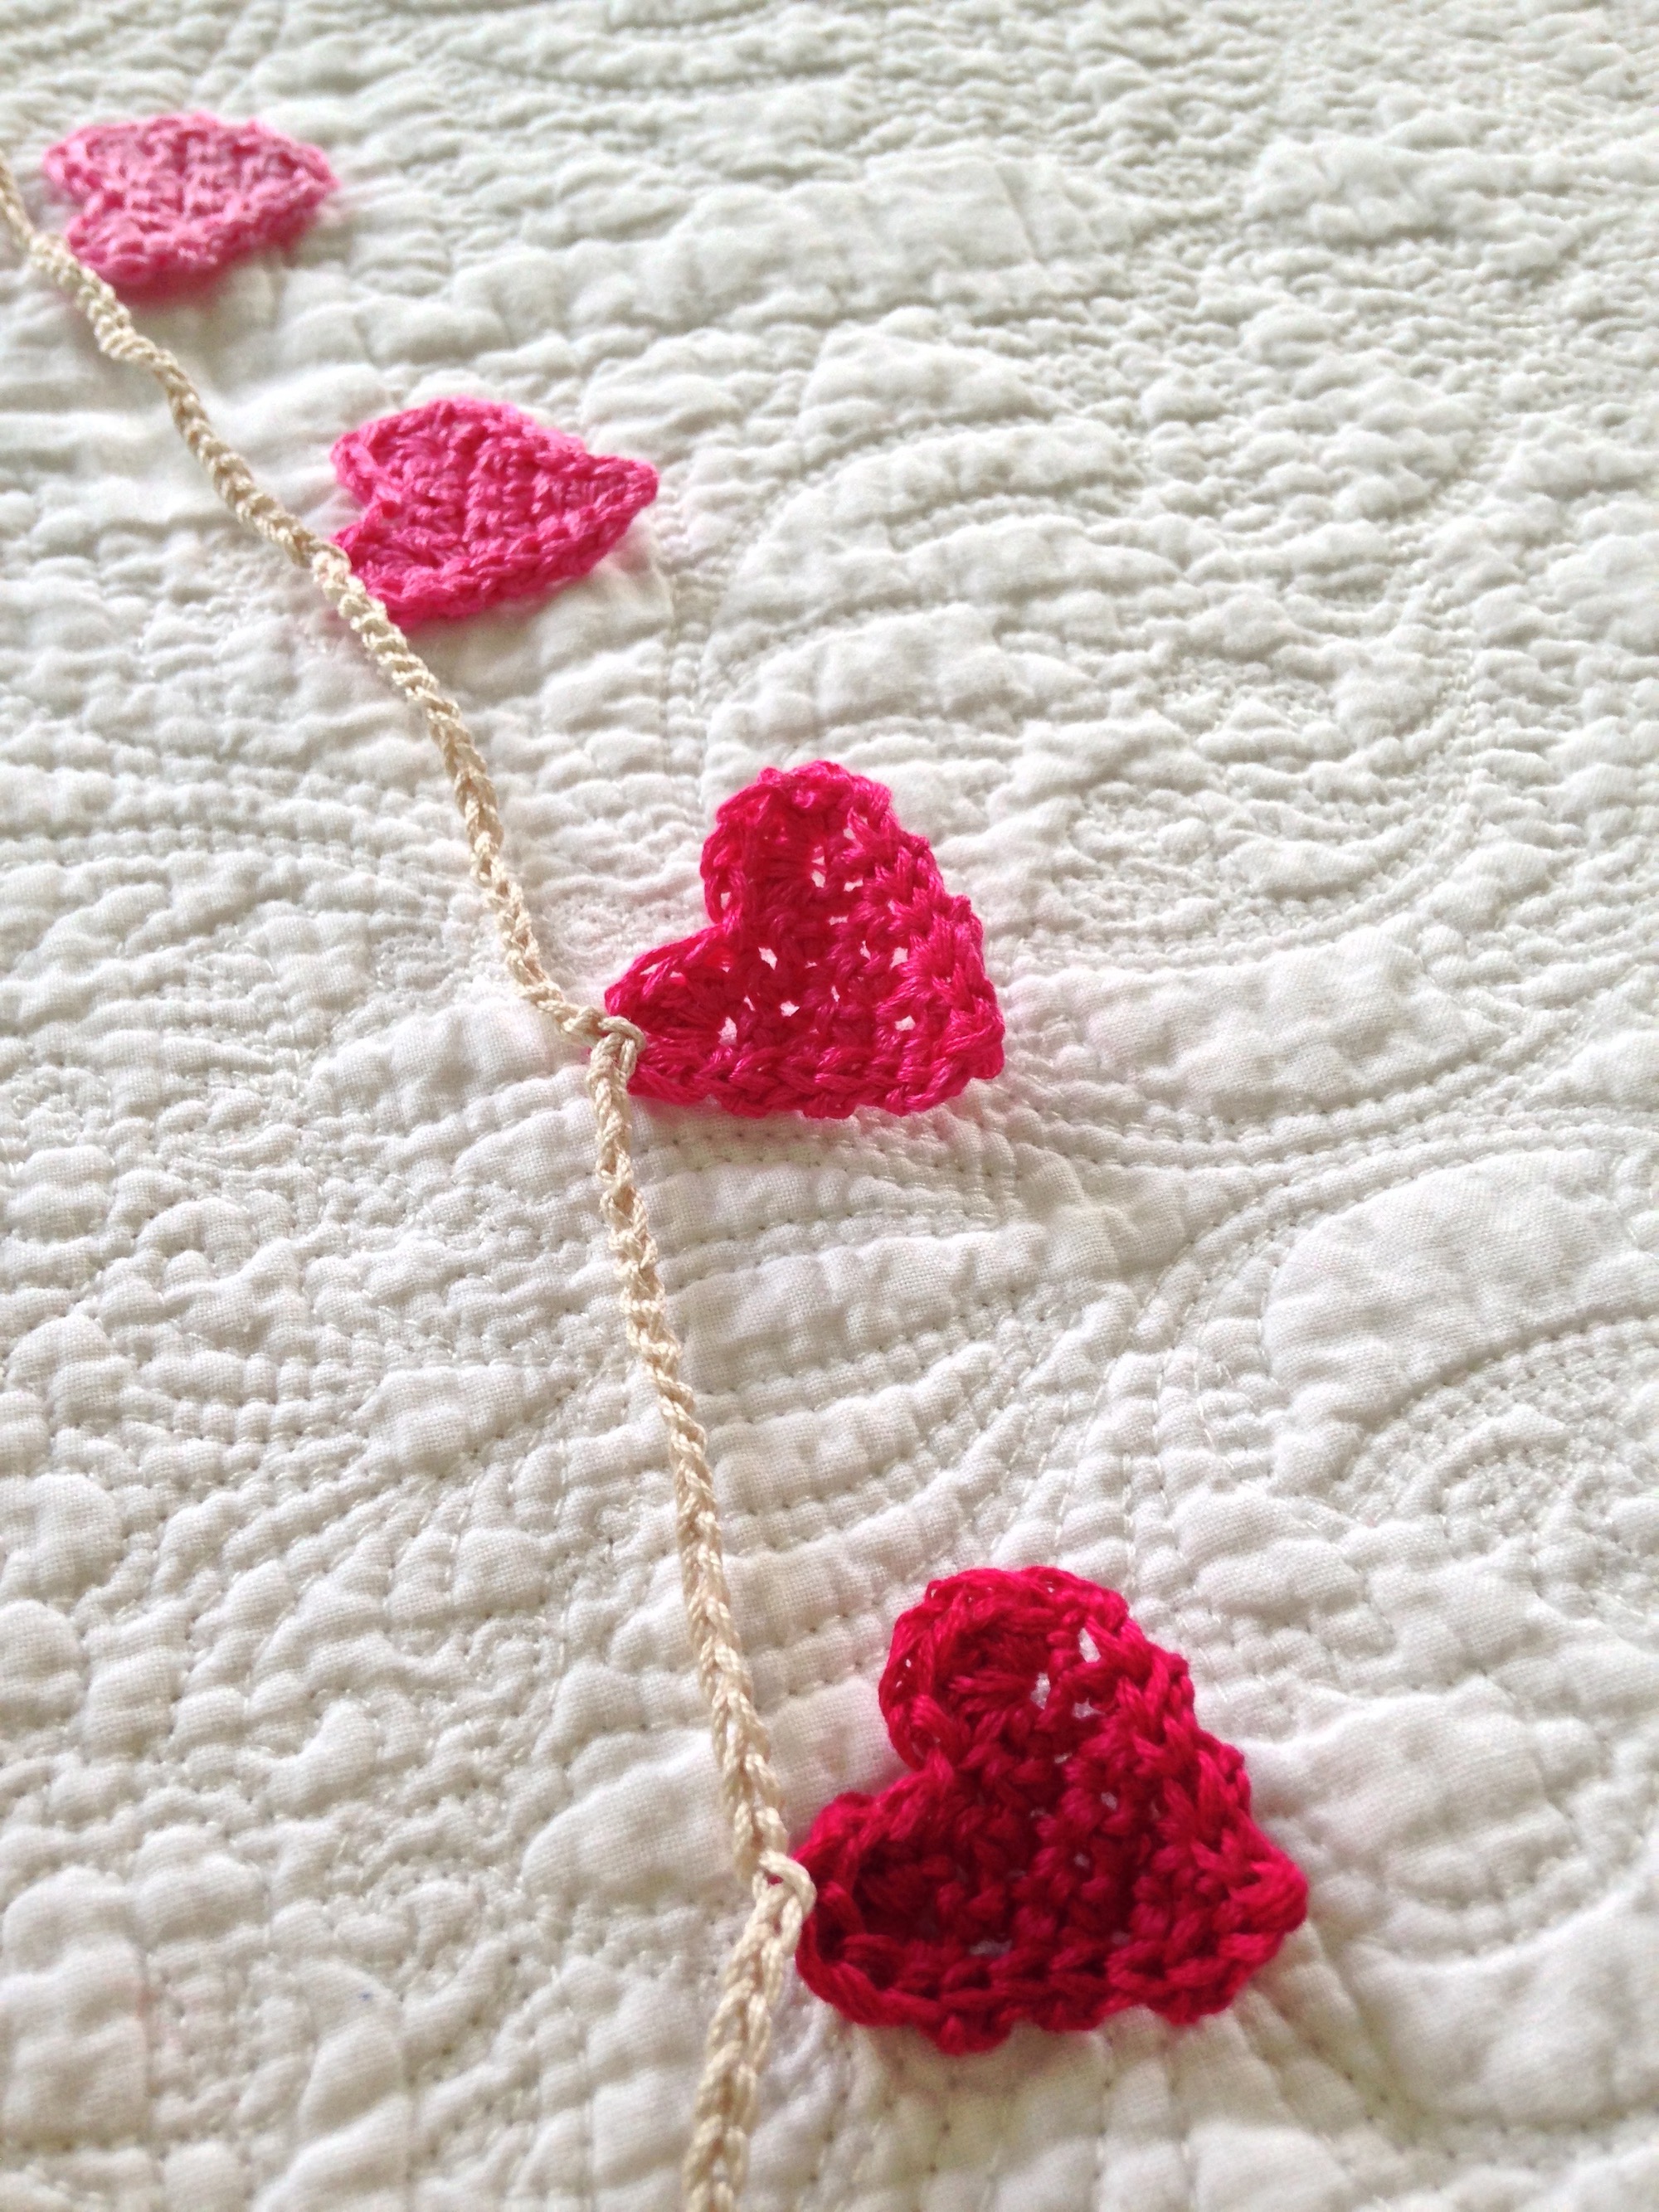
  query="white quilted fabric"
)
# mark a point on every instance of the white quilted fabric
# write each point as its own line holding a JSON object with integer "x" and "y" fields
{"x": 1202, "y": 455}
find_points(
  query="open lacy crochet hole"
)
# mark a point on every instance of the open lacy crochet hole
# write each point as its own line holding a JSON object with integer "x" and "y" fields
{"x": 1067, "y": 1843}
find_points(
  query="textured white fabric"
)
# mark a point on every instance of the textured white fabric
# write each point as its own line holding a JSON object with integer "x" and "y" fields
{"x": 1204, "y": 458}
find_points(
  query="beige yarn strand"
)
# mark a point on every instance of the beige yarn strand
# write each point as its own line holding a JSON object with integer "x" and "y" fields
{"x": 740, "y": 2032}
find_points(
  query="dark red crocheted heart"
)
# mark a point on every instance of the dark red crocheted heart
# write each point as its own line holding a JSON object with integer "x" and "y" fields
{"x": 1069, "y": 1843}
{"x": 173, "y": 199}
{"x": 468, "y": 503}
{"x": 837, "y": 971}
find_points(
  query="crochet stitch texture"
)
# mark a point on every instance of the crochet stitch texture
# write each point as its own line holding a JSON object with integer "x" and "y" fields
{"x": 172, "y": 200}
{"x": 837, "y": 971}
{"x": 468, "y": 503}
{"x": 1069, "y": 1843}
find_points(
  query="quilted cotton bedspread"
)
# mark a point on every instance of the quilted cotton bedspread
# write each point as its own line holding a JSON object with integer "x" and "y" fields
{"x": 1203, "y": 457}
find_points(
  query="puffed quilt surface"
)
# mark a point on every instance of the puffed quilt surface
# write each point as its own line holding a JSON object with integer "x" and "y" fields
{"x": 1202, "y": 456}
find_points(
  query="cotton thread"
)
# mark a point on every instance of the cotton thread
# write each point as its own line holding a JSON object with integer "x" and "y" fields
{"x": 781, "y": 1890}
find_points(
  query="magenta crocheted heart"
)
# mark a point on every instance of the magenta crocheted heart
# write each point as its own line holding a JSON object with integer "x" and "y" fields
{"x": 1068, "y": 1840}
{"x": 837, "y": 971}
{"x": 468, "y": 503}
{"x": 172, "y": 200}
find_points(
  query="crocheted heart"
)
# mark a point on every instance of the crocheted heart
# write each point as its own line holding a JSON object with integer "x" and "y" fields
{"x": 468, "y": 503}
{"x": 1070, "y": 1841}
{"x": 837, "y": 970}
{"x": 172, "y": 200}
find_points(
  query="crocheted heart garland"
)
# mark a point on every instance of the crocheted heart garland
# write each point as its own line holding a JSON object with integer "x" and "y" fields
{"x": 173, "y": 199}
{"x": 1070, "y": 1842}
{"x": 468, "y": 503}
{"x": 837, "y": 971}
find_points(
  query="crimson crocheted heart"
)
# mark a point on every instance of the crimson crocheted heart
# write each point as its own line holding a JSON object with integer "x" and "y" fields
{"x": 172, "y": 200}
{"x": 837, "y": 972}
{"x": 1069, "y": 1842}
{"x": 468, "y": 503}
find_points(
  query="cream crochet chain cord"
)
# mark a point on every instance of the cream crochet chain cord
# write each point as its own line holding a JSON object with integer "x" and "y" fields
{"x": 728, "y": 2091}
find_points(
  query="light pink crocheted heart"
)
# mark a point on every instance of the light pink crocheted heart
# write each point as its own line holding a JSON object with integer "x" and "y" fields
{"x": 468, "y": 503}
{"x": 837, "y": 970}
{"x": 173, "y": 200}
